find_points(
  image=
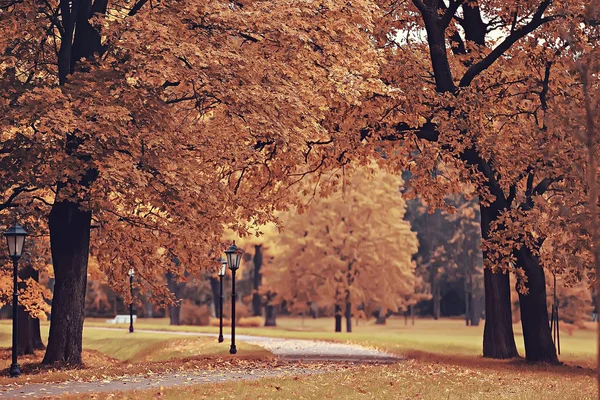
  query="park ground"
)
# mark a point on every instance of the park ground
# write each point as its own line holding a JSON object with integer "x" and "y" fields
{"x": 441, "y": 361}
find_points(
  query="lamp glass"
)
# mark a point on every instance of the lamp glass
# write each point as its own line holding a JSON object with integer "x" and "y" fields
{"x": 234, "y": 256}
{"x": 222, "y": 268}
{"x": 15, "y": 239}
{"x": 131, "y": 272}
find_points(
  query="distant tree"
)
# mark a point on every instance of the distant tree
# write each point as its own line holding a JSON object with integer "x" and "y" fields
{"x": 351, "y": 248}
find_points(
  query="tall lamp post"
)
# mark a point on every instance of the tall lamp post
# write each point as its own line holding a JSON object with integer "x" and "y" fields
{"x": 234, "y": 256}
{"x": 15, "y": 238}
{"x": 221, "y": 274}
{"x": 131, "y": 274}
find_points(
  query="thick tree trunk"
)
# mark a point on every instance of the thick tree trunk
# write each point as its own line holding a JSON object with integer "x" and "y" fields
{"x": 257, "y": 280}
{"x": 498, "y": 335}
{"x": 348, "y": 317}
{"x": 216, "y": 295}
{"x": 381, "y": 317}
{"x": 70, "y": 242}
{"x": 534, "y": 311}
{"x": 338, "y": 318}
{"x": 271, "y": 315}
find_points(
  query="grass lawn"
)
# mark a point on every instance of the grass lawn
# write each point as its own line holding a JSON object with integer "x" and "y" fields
{"x": 113, "y": 353}
{"x": 443, "y": 337}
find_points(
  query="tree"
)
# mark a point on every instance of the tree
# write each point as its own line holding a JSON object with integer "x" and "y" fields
{"x": 100, "y": 96}
{"x": 352, "y": 248}
{"x": 482, "y": 101}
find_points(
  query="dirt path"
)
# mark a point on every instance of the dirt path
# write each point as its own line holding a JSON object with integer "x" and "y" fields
{"x": 296, "y": 356}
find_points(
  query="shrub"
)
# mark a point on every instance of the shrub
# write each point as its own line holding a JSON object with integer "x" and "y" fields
{"x": 192, "y": 314}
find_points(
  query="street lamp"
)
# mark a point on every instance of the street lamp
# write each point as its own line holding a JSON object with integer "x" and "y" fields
{"x": 15, "y": 238}
{"x": 234, "y": 255}
{"x": 131, "y": 274}
{"x": 221, "y": 274}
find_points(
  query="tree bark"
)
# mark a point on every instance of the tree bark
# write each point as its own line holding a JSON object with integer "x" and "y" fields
{"x": 70, "y": 242}
{"x": 216, "y": 295}
{"x": 436, "y": 299}
{"x": 468, "y": 299}
{"x": 498, "y": 335}
{"x": 381, "y": 317}
{"x": 257, "y": 280}
{"x": 271, "y": 315}
{"x": 537, "y": 336}
{"x": 29, "y": 328}
{"x": 338, "y": 318}
{"x": 174, "y": 309}
{"x": 348, "y": 317}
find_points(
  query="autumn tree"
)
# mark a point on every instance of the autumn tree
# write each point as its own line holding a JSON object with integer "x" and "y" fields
{"x": 352, "y": 248}
{"x": 485, "y": 117}
{"x": 158, "y": 124}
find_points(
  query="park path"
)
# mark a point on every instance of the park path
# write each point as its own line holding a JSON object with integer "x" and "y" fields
{"x": 295, "y": 355}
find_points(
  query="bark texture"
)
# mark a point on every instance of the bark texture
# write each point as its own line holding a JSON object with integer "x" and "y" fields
{"x": 70, "y": 242}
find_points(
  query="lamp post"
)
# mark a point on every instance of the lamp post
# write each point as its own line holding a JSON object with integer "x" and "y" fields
{"x": 234, "y": 256}
{"x": 131, "y": 274}
{"x": 15, "y": 238}
{"x": 221, "y": 274}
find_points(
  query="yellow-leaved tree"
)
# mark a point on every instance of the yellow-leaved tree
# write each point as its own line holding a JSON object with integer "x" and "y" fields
{"x": 352, "y": 249}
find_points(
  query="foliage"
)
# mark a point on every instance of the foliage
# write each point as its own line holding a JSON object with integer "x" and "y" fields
{"x": 351, "y": 247}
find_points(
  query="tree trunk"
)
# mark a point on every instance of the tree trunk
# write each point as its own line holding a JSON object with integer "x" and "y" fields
{"x": 534, "y": 311}
{"x": 381, "y": 317}
{"x": 257, "y": 280}
{"x": 468, "y": 299}
{"x": 25, "y": 345}
{"x": 498, "y": 336}
{"x": 70, "y": 242}
{"x": 271, "y": 314}
{"x": 175, "y": 288}
{"x": 477, "y": 307}
{"x": 216, "y": 295}
{"x": 36, "y": 335}
{"x": 412, "y": 314}
{"x": 29, "y": 328}
{"x": 348, "y": 317}
{"x": 436, "y": 299}
{"x": 338, "y": 318}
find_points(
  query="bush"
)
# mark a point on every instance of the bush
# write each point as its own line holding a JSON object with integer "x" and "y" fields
{"x": 246, "y": 322}
{"x": 192, "y": 314}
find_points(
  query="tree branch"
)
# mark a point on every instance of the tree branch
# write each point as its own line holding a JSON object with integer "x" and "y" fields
{"x": 536, "y": 21}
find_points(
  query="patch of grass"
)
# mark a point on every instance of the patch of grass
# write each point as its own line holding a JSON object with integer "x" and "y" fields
{"x": 114, "y": 353}
{"x": 445, "y": 336}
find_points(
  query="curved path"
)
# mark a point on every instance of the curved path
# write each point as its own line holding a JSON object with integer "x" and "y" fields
{"x": 290, "y": 351}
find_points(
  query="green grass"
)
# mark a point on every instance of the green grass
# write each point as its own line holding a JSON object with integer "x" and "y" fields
{"x": 446, "y": 336}
{"x": 141, "y": 347}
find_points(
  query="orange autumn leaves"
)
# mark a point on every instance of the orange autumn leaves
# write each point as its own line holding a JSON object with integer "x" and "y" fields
{"x": 353, "y": 246}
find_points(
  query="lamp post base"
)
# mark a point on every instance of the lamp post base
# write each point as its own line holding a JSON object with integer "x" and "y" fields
{"x": 15, "y": 370}
{"x": 221, "y": 338}
{"x": 131, "y": 329}
{"x": 232, "y": 349}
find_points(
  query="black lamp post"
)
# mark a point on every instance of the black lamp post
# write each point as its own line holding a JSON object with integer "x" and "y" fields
{"x": 15, "y": 238}
{"x": 234, "y": 256}
{"x": 131, "y": 274}
{"x": 221, "y": 274}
